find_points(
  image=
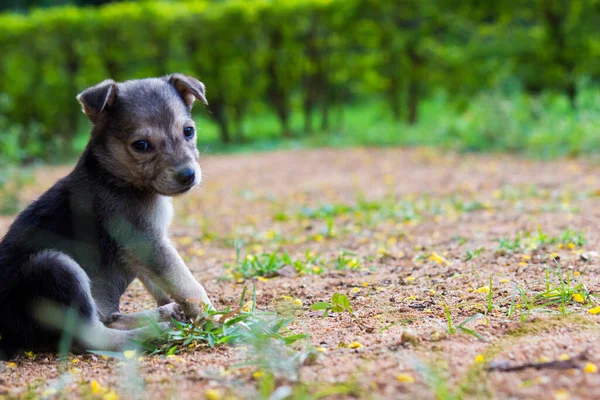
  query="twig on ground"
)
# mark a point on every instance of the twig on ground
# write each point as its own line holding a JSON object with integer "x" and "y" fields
{"x": 571, "y": 363}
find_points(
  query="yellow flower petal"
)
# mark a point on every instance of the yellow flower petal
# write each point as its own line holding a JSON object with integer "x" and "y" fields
{"x": 405, "y": 378}
{"x": 96, "y": 387}
{"x": 483, "y": 289}
{"x": 185, "y": 240}
{"x": 578, "y": 298}
{"x": 298, "y": 303}
{"x": 129, "y": 354}
{"x": 258, "y": 374}
{"x": 590, "y": 368}
{"x": 480, "y": 358}
{"x": 594, "y": 311}
{"x": 355, "y": 345}
{"x": 110, "y": 396}
{"x": 11, "y": 365}
{"x": 248, "y": 306}
{"x": 562, "y": 394}
{"x": 213, "y": 394}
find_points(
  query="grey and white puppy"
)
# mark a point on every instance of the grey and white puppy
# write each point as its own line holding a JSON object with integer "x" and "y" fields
{"x": 83, "y": 242}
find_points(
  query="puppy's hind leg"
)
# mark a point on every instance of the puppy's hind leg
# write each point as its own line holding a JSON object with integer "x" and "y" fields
{"x": 39, "y": 304}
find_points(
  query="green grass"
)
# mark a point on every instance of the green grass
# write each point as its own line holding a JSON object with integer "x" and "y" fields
{"x": 535, "y": 240}
{"x": 243, "y": 324}
{"x": 339, "y": 303}
{"x": 268, "y": 265}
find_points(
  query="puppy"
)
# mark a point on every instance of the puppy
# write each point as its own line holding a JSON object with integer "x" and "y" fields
{"x": 86, "y": 239}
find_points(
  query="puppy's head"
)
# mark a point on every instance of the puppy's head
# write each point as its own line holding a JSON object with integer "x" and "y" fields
{"x": 144, "y": 133}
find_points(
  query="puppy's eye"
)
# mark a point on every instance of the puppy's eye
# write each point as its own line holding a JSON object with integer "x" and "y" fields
{"x": 188, "y": 132}
{"x": 141, "y": 146}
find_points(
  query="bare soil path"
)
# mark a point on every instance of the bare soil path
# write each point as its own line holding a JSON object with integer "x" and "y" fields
{"x": 410, "y": 236}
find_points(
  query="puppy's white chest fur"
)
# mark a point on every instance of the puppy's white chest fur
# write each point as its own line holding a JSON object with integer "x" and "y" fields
{"x": 161, "y": 213}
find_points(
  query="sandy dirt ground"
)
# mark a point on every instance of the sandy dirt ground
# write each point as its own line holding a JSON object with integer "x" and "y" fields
{"x": 420, "y": 233}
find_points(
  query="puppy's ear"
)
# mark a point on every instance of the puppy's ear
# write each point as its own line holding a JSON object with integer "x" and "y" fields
{"x": 94, "y": 100}
{"x": 188, "y": 88}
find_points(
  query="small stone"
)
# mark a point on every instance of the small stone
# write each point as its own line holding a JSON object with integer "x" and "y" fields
{"x": 589, "y": 255}
{"x": 288, "y": 271}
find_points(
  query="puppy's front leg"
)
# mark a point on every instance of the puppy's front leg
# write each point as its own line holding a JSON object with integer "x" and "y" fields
{"x": 159, "y": 295}
{"x": 168, "y": 272}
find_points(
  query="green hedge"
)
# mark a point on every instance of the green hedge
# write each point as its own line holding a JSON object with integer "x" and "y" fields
{"x": 283, "y": 55}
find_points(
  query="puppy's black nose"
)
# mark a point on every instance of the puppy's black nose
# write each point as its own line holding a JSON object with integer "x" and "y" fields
{"x": 185, "y": 176}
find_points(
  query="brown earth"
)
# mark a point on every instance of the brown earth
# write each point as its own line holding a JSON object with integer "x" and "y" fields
{"x": 426, "y": 210}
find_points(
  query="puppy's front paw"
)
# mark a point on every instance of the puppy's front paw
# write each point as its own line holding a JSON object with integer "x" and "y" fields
{"x": 171, "y": 310}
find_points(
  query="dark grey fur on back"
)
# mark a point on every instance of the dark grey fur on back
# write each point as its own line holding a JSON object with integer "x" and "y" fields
{"x": 83, "y": 241}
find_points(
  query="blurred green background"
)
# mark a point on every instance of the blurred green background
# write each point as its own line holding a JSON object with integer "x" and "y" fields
{"x": 471, "y": 75}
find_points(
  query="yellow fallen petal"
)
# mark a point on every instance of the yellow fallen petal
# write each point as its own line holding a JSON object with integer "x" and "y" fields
{"x": 578, "y": 298}
{"x": 483, "y": 289}
{"x": 11, "y": 365}
{"x": 355, "y": 345}
{"x": 75, "y": 360}
{"x": 258, "y": 374}
{"x": 110, "y": 396}
{"x": 594, "y": 311}
{"x": 321, "y": 349}
{"x": 212, "y": 394}
{"x": 405, "y": 378}
{"x": 504, "y": 280}
{"x": 185, "y": 240}
{"x": 480, "y": 358}
{"x": 576, "y": 273}
{"x": 355, "y": 290}
{"x": 298, "y": 303}
{"x": 590, "y": 368}
{"x": 410, "y": 279}
{"x": 562, "y": 394}
{"x": 248, "y": 306}
{"x": 129, "y": 354}
{"x": 287, "y": 298}
{"x": 564, "y": 357}
{"x": 96, "y": 387}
